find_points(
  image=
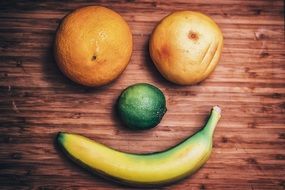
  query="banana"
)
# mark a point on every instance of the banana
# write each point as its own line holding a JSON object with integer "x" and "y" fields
{"x": 152, "y": 169}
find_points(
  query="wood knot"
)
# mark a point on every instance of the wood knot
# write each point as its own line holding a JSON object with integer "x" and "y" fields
{"x": 282, "y": 183}
{"x": 16, "y": 156}
{"x": 3, "y": 75}
{"x": 252, "y": 161}
{"x": 202, "y": 187}
{"x": 276, "y": 95}
{"x": 206, "y": 176}
{"x": 252, "y": 125}
{"x": 224, "y": 139}
{"x": 280, "y": 157}
{"x": 19, "y": 63}
{"x": 75, "y": 116}
{"x": 260, "y": 36}
{"x": 5, "y": 139}
{"x": 155, "y": 4}
{"x": 257, "y": 11}
{"x": 282, "y": 106}
{"x": 264, "y": 54}
{"x": 281, "y": 136}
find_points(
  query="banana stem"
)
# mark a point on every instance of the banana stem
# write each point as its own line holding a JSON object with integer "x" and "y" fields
{"x": 212, "y": 121}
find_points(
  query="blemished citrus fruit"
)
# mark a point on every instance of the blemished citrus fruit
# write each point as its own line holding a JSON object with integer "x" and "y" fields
{"x": 141, "y": 106}
{"x": 186, "y": 47}
{"x": 93, "y": 45}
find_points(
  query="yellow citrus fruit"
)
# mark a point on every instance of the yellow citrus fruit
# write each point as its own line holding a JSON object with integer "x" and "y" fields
{"x": 186, "y": 46}
{"x": 93, "y": 45}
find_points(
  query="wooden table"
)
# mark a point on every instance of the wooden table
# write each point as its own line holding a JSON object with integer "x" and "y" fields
{"x": 37, "y": 101}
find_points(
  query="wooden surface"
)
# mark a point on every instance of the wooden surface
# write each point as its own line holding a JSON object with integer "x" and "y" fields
{"x": 37, "y": 101}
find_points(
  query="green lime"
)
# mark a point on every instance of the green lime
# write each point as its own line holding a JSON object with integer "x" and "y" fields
{"x": 141, "y": 106}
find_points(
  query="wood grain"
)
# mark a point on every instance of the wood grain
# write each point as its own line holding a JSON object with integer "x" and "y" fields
{"x": 37, "y": 101}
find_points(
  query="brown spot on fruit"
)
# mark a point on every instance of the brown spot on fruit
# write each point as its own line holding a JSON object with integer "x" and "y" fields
{"x": 193, "y": 36}
{"x": 164, "y": 51}
{"x": 94, "y": 58}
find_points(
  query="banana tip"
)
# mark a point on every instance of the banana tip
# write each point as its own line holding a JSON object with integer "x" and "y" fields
{"x": 60, "y": 136}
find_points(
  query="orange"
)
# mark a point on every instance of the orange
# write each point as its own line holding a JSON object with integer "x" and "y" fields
{"x": 93, "y": 45}
{"x": 186, "y": 47}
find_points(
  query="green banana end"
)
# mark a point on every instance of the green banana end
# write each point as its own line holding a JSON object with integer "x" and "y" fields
{"x": 60, "y": 137}
{"x": 61, "y": 141}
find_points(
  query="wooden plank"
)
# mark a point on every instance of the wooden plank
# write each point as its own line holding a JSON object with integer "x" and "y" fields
{"x": 37, "y": 101}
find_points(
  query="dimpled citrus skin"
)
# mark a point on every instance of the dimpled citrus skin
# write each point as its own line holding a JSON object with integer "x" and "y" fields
{"x": 186, "y": 47}
{"x": 93, "y": 45}
{"x": 141, "y": 106}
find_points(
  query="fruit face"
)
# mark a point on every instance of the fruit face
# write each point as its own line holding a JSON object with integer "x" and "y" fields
{"x": 93, "y": 45}
{"x": 141, "y": 106}
{"x": 186, "y": 47}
